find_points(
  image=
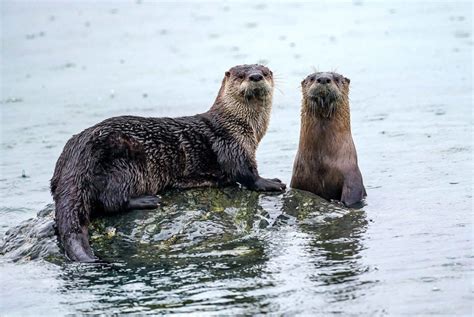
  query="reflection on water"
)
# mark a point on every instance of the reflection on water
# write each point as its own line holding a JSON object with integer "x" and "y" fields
{"x": 228, "y": 250}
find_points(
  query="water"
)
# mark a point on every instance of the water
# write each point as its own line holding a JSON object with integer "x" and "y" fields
{"x": 204, "y": 249}
{"x": 409, "y": 251}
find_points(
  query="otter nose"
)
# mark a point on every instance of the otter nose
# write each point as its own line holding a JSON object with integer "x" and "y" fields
{"x": 324, "y": 80}
{"x": 255, "y": 77}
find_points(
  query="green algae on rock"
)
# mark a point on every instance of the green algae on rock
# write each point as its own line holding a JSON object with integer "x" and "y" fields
{"x": 197, "y": 223}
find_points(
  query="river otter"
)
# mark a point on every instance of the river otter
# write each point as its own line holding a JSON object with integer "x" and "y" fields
{"x": 326, "y": 162}
{"x": 123, "y": 162}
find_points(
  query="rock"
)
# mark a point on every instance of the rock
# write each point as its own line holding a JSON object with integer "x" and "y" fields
{"x": 202, "y": 222}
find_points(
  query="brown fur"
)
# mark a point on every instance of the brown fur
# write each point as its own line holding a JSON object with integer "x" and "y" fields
{"x": 326, "y": 162}
{"x": 123, "y": 162}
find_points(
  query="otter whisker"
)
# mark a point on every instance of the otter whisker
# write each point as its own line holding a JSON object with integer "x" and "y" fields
{"x": 278, "y": 76}
{"x": 279, "y": 81}
{"x": 279, "y": 90}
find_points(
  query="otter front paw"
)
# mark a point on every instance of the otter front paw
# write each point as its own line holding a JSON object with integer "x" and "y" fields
{"x": 268, "y": 185}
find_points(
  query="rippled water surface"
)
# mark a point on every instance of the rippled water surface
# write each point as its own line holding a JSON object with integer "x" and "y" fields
{"x": 67, "y": 66}
{"x": 227, "y": 249}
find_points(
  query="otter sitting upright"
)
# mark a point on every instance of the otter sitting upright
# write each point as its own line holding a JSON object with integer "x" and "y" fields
{"x": 326, "y": 162}
{"x": 123, "y": 162}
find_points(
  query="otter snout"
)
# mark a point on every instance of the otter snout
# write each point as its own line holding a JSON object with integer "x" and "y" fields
{"x": 256, "y": 77}
{"x": 255, "y": 80}
{"x": 323, "y": 80}
{"x": 323, "y": 91}
{"x": 322, "y": 85}
{"x": 256, "y": 85}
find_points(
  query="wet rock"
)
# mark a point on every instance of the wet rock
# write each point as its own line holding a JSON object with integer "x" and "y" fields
{"x": 33, "y": 239}
{"x": 218, "y": 222}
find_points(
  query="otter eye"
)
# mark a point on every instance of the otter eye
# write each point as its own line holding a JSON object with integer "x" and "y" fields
{"x": 265, "y": 73}
{"x": 336, "y": 79}
{"x": 241, "y": 76}
{"x": 311, "y": 78}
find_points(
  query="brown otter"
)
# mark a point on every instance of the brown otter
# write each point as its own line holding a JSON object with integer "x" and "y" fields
{"x": 123, "y": 162}
{"x": 326, "y": 162}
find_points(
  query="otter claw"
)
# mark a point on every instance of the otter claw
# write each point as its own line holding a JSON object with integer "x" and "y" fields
{"x": 282, "y": 186}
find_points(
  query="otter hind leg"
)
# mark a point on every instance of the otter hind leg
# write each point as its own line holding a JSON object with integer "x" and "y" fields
{"x": 144, "y": 202}
{"x": 124, "y": 170}
{"x": 126, "y": 189}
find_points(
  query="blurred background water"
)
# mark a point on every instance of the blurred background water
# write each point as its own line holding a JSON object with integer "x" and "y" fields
{"x": 65, "y": 66}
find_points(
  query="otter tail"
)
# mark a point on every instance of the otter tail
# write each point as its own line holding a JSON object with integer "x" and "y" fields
{"x": 72, "y": 222}
{"x": 73, "y": 194}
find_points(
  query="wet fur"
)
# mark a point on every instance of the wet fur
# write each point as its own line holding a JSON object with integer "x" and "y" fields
{"x": 326, "y": 161}
{"x": 123, "y": 162}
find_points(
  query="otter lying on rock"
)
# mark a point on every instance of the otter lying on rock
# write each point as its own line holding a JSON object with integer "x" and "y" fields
{"x": 123, "y": 162}
{"x": 326, "y": 162}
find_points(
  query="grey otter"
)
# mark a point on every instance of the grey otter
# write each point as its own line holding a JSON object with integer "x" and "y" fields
{"x": 123, "y": 162}
{"x": 326, "y": 162}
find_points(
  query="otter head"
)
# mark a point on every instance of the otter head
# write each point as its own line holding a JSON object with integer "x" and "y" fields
{"x": 246, "y": 94}
{"x": 247, "y": 83}
{"x": 324, "y": 93}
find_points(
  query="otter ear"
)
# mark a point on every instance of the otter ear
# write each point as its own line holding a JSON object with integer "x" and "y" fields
{"x": 227, "y": 74}
{"x": 348, "y": 81}
{"x": 303, "y": 82}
